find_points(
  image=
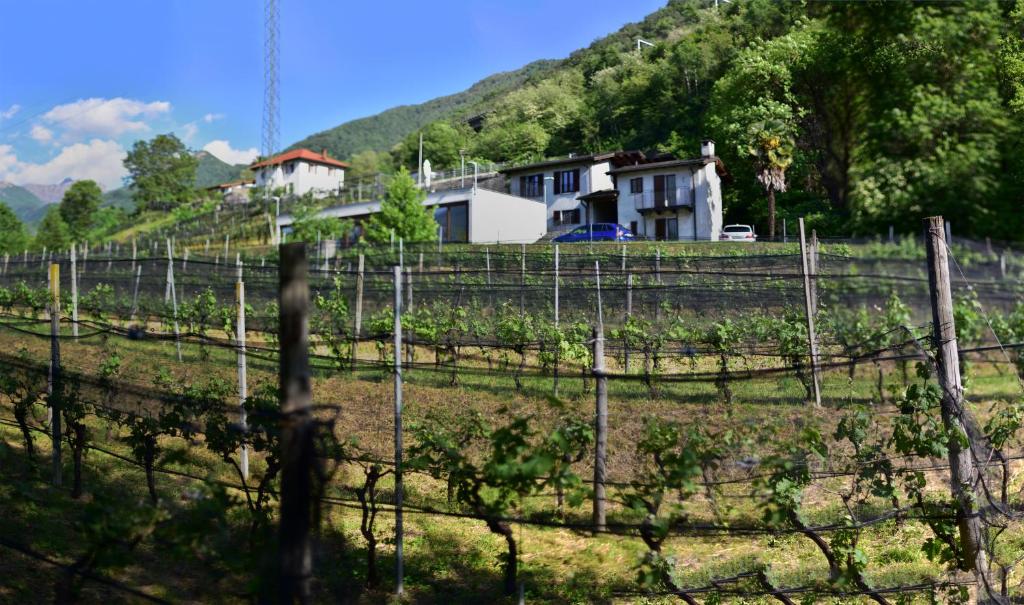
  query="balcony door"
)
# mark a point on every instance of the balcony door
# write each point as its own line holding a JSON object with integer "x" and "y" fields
{"x": 664, "y": 190}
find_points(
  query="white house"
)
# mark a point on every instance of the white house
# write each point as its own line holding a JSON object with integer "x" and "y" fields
{"x": 234, "y": 192}
{"x": 670, "y": 199}
{"x": 301, "y": 171}
{"x": 561, "y": 183}
{"x": 471, "y": 214}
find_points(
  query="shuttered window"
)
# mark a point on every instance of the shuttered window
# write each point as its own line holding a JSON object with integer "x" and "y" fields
{"x": 567, "y": 181}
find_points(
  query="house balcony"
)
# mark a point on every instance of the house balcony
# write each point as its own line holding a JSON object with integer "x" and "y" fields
{"x": 654, "y": 201}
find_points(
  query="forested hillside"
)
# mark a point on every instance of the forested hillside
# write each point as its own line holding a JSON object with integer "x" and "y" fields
{"x": 858, "y": 115}
{"x": 26, "y": 206}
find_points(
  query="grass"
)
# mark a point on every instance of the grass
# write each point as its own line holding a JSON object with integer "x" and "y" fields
{"x": 450, "y": 559}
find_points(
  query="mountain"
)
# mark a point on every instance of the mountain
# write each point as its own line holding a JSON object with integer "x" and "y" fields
{"x": 29, "y": 208}
{"x": 213, "y": 171}
{"x": 50, "y": 194}
{"x": 210, "y": 171}
{"x": 382, "y": 131}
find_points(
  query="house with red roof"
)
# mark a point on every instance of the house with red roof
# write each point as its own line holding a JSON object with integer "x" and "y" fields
{"x": 301, "y": 171}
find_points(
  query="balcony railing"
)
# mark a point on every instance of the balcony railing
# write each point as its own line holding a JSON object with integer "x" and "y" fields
{"x": 662, "y": 200}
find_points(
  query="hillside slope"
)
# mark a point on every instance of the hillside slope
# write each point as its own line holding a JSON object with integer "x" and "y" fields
{"x": 382, "y": 131}
{"x": 210, "y": 171}
{"x": 29, "y": 208}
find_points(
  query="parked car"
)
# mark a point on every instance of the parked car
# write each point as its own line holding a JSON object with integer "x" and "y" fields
{"x": 597, "y": 232}
{"x": 737, "y": 233}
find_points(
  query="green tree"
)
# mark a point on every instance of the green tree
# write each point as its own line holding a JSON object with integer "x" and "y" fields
{"x": 402, "y": 213}
{"x": 163, "y": 172}
{"x": 79, "y": 206}
{"x": 14, "y": 238}
{"x": 441, "y": 145}
{"x": 53, "y": 231}
{"x": 367, "y": 164}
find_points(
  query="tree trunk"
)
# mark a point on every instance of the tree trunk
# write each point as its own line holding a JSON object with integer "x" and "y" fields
{"x": 771, "y": 213}
{"x": 79, "y": 447}
{"x": 512, "y": 557}
{"x": 149, "y": 459}
{"x": 26, "y": 433}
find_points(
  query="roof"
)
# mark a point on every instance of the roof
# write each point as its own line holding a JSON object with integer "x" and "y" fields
{"x": 664, "y": 164}
{"x": 579, "y": 159}
{"x": 304, "y": 155}
{"x": 230, "y": 184}
{"x": 597, "y": 196}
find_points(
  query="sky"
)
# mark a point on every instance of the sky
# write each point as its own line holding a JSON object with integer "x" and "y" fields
{"x": 80, "y": 81}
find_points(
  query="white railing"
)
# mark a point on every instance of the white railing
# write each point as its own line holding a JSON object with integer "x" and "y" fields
{"x": 656, "y": 200}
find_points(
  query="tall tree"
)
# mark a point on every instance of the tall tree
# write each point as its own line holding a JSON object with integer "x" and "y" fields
{"x": 163, "y": 172}
{"x": 402, "y": 212}
{"x": 53, "y": 231}
{"x": 441, "y": 144}
{"x": 78, "y": 207}
{"x": 13, "y": 237}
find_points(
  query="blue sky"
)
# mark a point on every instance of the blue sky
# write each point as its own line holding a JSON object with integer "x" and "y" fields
{"x": 81, "y": 80}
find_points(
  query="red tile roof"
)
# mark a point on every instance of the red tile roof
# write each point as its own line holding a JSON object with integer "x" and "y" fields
{"x": 304, "y": 155}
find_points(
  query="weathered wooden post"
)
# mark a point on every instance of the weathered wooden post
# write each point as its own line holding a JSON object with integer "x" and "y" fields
{"x": 295, "y": 562}
{"x": 812, "y": 341}
{"x": 955, "y": 415}
{"x": 74, "y": 292}
{"x": 357, "y": 329}
{"x": 600, "y": 416}
{"x": 243, "y": 382}
{"x": 174, "y": 298}
{"x": 399, "y": 563}
{"x": 135, "y": 294}
{"x": 522, "y": 279}
{"x": 54, "y": 384}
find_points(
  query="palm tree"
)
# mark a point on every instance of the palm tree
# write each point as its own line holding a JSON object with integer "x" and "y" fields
{"x": 773, "y": 154}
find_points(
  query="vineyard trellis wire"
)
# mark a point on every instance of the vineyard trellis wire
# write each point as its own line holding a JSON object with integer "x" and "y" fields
{"x": 514, "y": 341}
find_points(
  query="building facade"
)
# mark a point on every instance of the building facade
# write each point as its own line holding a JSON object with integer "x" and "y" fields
{"x": 301, "y": 171}
{"x": 560, "y": 184}
{"x": 672, "y": 199}
{"x": 470, "y": 215}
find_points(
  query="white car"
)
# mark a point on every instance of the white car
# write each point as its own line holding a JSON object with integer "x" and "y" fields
{"x": 737, "y": 233}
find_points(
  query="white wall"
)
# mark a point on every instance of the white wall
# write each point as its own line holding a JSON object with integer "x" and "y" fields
{"x": 708, "y": 206}
{"x": 304, "y": 177}
{"x": 495, "y": 217}
{"x": 593, "y": 177}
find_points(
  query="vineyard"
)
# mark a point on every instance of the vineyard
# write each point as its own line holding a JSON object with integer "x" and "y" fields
{"x": 795, "y": 423}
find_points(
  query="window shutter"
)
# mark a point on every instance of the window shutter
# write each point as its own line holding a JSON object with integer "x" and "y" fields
{"x": 576, "y": 179}
{"x": 522, "y": 186}
{"x": 558, "y": 182}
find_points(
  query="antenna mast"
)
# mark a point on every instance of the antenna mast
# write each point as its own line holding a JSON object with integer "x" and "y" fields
{"x": 271, "y": 131}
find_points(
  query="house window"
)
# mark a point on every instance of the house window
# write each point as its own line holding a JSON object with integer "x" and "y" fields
{"x": 289, "y": 167}
{"x": 531, "y": 185}
{"x": 567, "y": 217}
{"x": 636, "y": 185}
{"x": 664, "y": 190}
{"x": 666, "y": 229}
{"x": 632, "y": 227}
{"x": 567, "y": 181}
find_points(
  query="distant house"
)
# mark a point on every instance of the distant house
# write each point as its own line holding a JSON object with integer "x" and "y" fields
{"x": 669, "y": 199}
{"x": 234, "y": 192}
{"x": 561, "y": 184}
{"x": 301, "y": 171}
{"x": 470, "y": 214}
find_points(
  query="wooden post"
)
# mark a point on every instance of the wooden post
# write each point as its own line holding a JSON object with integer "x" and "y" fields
{"x": 74, "y": 291}
{"x": 357, "y": 329}
{"x": 812, "y": 341}
{"x": 892, "y": 234}
{"x": 600, "y": 429}
{"x": 401, "y": 254}
{"x": 243, "y": 383}
{"x": 554, "y": 372}
{"x": 408, "y": 287}
{"x": 487, "y": 260}
{"x": 174, "y": 298}
{"x": 522, "y": 279}
{"x": 556, "y": 285}
{"x": 812, "y": 262}
{"x": 629, "y": 313}
{"x": 227, "y": 240}
{"x": 623, "y": 268}
{"x": 421, "y": 262}
{"x": 785, "y": 238}
{"x": 54, "y": 385}
{"x": 170, "y": 269}
{"x": 135, "y": 294}
{"x": 297, "y": 451}
{"x": 955, "y": 415}
{"x": 1002, "y": 265}
{"x": 134, "y": 252}
{"x": 399, "y": 571}
{"x": 184, "y": 261}
{"x": 7, "y": 259}
{"x": 657, "y": 265}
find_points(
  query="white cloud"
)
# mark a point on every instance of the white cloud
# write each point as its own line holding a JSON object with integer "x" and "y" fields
{"x": 105, "y": 117}
{"x": 188, "y": 132}
{"x": 8, "y": 113}
{"x": 99, "y": 160}
{"x": 224, "y": 152}
{"x": 212, "y": 117}
{"x": 41, "y": 134}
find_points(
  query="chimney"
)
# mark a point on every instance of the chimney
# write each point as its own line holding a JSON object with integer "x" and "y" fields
{"x": 323, "y": 152}
{"x": 707, "y": 148}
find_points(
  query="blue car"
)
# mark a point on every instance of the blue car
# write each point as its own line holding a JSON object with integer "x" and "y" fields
{"x": 602, "y": 232}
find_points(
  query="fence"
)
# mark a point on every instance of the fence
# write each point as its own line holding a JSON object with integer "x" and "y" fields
{"x": 550, "y": 319}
